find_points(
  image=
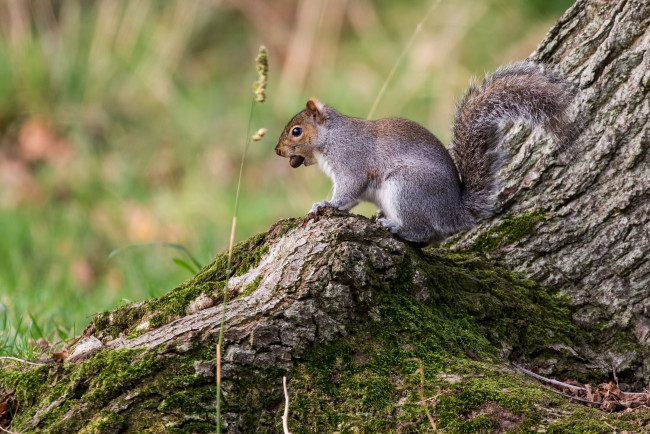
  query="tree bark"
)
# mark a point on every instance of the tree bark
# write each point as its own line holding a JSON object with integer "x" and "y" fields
{"x": 594, "y": 240}
{"x": 375, "y": 334}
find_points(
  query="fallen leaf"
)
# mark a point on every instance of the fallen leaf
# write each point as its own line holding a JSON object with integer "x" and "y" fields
{"x": 60, "y": 356}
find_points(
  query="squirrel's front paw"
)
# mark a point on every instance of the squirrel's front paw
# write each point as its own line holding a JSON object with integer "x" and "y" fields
{"x": 317, "y": 206}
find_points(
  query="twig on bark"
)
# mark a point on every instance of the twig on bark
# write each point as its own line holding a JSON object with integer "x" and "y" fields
{"x": 27, "y": 362}
{"x": 7, "y": 431}
{"x": 568, "y": 386}
{"x": 606, "y": 397}
{"x": 626, "y": 404}
{"x": 548, "y": 380}
{"x": 614, "y": 374}
{"x": 612, "y": 427}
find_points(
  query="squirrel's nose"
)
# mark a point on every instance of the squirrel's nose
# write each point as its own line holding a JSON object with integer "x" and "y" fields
{"x": 277, "y": 151}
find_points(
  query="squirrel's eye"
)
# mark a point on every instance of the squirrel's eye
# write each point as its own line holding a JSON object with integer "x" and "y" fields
{"x": 296, "y": 131}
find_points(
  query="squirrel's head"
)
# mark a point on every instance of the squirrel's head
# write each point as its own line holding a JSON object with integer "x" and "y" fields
{"x": 299, "y": 139}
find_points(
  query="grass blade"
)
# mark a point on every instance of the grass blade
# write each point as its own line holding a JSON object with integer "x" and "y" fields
{"x": 34, "y": 326}
{"x": 185, "y": 265}
{"x": 176, "y": 246}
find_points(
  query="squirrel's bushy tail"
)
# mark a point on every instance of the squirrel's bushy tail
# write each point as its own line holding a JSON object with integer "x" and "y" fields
{"x": 523, "y": 90}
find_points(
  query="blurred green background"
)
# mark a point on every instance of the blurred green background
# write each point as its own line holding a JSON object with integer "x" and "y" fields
{"x": 124, "y": 122}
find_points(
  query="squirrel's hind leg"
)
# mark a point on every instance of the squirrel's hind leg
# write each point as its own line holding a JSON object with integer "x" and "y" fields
{"x": 389, "y": 224}
{"x": 412, "y": 203}
{"x": 420, "y": 234}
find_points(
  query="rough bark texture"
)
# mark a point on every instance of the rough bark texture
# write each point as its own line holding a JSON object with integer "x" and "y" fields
{"x": 372, "y": 332}
{"x": 593, "y": 241}
{"x": 352, "y": 315}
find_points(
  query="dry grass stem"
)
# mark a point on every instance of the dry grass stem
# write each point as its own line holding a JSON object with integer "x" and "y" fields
{"x": 259, "y": 88}
{"x": 26, "y": 362}
{"x": 285, "y": 417}
{"x": 406, "y": 49}
{"x": 421, "y": 393}
{"x": 7, "y": 431}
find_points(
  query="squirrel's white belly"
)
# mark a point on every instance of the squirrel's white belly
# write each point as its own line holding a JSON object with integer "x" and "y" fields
{"x": 384, "y": 198}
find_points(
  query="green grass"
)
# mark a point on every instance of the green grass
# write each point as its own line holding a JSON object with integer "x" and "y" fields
{"x": 124, "y": 122}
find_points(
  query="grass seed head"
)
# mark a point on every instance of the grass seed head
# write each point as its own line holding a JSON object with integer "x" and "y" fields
{"x": 262, "y": 64}
{"x": 258, "y": 135}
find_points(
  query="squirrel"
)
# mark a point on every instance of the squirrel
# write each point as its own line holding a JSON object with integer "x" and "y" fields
{"x": 424, "y": 191}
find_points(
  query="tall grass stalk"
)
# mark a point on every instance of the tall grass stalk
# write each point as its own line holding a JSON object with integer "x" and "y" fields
{"x": 259, "y": 88}
{"x": 407, "y": 48}
{"x": 228, "y": 267}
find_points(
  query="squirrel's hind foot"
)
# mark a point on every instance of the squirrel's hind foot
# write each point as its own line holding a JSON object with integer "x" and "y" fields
{"x": 390, "y": 225}
{"x": 421, "y": 237}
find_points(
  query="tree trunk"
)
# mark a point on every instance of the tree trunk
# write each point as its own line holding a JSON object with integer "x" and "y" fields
{"x": 374, "y": 334}
{"x": 592, "y": 240}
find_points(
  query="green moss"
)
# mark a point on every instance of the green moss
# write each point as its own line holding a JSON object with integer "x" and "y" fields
{"x": 191, "y": 427}
{"x": 28, "y": 382}
{"x": 283, "y": 226}
{"x": 104, "y": 422}
{"x": 252, "y": 392}
{"x": 589, "y": 420}
{"x": 192, "y": 401}
{"x": 509, "y": 230}
{"x": 245, "y": 255}
{"x": 484, "y": 400}
{"x": 174, "y": 303}
{"x": 178, "y": 382}
{"x": 111, "y": 371}
{"x": 114, "y": 323}
{"x": 370, "y": 382}
{"x": 508, "y": 309}
{"x": 87, "y": 389}
{"x": 137, "y": 332}
{"x": 405, "y": 273}
{"x": 251, "y": 287}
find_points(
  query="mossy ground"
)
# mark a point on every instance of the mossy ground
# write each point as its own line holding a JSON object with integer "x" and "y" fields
{"x": 454, "y": 328}
{"x": 369, "y": 382}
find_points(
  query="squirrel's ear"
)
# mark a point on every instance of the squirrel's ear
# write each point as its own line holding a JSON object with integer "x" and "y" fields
{"x": 314, "y": 108}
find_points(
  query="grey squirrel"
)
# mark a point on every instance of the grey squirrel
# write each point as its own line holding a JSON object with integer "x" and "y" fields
{"x": 425, "y": 192}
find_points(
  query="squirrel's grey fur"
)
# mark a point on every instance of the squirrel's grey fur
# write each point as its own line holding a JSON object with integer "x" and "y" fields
{"x": 424, "y": 193}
